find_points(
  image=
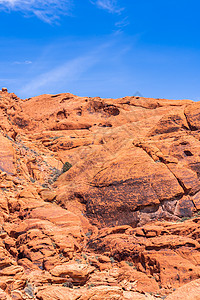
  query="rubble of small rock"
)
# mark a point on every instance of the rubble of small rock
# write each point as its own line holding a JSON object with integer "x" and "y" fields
{"x": 100, "y": 198}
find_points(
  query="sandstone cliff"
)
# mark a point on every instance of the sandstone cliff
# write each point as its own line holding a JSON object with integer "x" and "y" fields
{"x": 100, "y": 198}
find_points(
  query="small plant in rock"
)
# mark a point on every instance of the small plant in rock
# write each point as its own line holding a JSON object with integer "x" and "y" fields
{"x": 84, "y": 256}
{"x": 45, "y": 185}
{"x": 8, "y": 137}
{"x": 66, "y": 167}
{"x": 56, "y": 137}
{"x": 184, "y": 219}
{"x": 29, "y": 289}
{"x": 129, "y": 263}
{"x": 89, "y": 233}
{"x": 55, "y": 174}
{"x": 54, "y": 245}
{"x": 4, "y": 189}
{"x": 112, "y": 260}
{"x": 68, "y": 284}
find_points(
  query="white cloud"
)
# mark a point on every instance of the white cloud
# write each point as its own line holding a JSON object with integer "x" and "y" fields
{"x": 26, "y": 62}
{"x": 50, "y": 10}
{"x": 47, "y": 10}
{"x": 63, "y": 74}
{"x": 123, "y": 23}
{"x": 109, "y": 5}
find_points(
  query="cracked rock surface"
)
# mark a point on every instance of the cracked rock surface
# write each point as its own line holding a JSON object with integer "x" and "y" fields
{"x": 99, "y": 198}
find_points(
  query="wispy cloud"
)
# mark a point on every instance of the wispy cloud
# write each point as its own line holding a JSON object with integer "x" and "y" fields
{"x": 109, "y": 5}
{"x": 26, "y": 62}
{"x": 47, "y": 10}
{"x": 65, "y": 73}
{"x": 50, "y": 11}
{"x": 122, "y": 23}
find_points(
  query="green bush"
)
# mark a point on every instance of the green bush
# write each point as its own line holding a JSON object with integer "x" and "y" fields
{"x": 112, "y": 260}
{"x": 129, "y": 263}
{"x": 66, "y": 167}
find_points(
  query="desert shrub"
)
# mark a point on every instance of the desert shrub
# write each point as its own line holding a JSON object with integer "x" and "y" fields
{"x": 66, "y": 167}
{"x": 90, "y": 285}
{"x": 55, "y": 174}
{"x": 112, "y": 260}
{"x": 29, "y": 289}
{"x": 89, "y": 233}
{"x": 68, "y": 284}
{"x": 185, "y": 219}
{"x": 129, "y": 263}
{"x": 54, "y": 245}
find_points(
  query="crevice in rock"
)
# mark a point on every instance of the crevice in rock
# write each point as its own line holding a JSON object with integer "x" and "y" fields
{"x": 195, "y": 192}
{"x": 141, "y": 106}
{"x": 114, "y": 183}
{"x": 195, "y": 205}
{"x": 192, "y": 128}
{"x": 80, "y": 198}
{"x": 162, "y": 160}
{"x": 188, "y": 153}
{"x": 186, "y": 191}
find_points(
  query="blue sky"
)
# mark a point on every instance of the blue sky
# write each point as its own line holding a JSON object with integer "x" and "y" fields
{"x": 105, "y": 48}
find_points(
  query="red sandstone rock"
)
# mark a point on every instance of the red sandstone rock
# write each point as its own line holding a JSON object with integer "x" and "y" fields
{"x": 7, "y": 156}
{"x": 56, "y": 293}
{"x": 77, "y": 271}
{"x": 112, "y": 229}
{"x": 188, "y": 291}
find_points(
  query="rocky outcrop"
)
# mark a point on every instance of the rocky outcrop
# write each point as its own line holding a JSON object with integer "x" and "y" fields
{"x": 100, "y": 198}
{"x": 188, "y": 291}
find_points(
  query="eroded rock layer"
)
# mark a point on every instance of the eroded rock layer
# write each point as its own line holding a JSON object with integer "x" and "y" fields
{"x": 100, "y": 198}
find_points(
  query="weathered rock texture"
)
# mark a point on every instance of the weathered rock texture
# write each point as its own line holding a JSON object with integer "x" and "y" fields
{"x": 100, "y": 198}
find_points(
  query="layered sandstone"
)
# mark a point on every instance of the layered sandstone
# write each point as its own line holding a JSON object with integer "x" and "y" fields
{"x": 100, "y": 198}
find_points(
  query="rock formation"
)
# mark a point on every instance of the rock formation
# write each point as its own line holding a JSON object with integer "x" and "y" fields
{"x": 100, "y": 198}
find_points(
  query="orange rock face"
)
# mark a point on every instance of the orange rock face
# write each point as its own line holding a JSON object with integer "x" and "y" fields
{"x": 100, "y": 198}
{"x": 7, "y": 156}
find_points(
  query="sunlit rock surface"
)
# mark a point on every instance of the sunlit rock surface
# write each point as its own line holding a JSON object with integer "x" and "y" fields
{"x": 100, "y": 198}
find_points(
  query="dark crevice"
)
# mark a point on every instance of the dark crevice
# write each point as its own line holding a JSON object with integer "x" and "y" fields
{"x": 115, "y": 183}
{"x": 195, "y": 192}
{"x": 194, "y": 204}
{"x": 188, "y": 153}
{"x": 57, "y": 95}
{"x": 162, "y": 160}
{"x": 67, "y": 148}
{"x": 186, "y": 191}
{"x": 80, "y": 198}
{"x": 145, "y": 150}
{"x": 21, "y": 255}
{"x": 142, "y": 106}
{"x": 192, "y": 128}
{"x": 185, "y": 128}
{"x": 184, "y": 143}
